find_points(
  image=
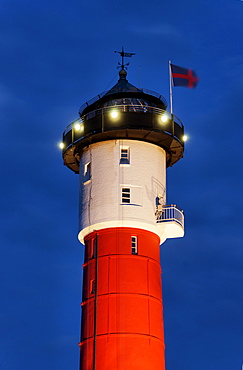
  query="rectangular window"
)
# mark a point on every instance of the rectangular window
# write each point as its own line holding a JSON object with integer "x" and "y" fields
{"x": 134, "y": 245}
{"x": 92, "y": 286}
{"x": 131, "y": 194}
{"x": 93, "y": 248}
{"x": 124, "y": 155}
{"x": 126, "y": 195}
{"x": 87, "y": 172}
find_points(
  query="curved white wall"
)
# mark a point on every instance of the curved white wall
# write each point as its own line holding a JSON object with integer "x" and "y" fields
{"x": 100, "y": 195}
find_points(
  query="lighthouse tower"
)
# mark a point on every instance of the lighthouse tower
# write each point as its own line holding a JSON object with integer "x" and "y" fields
{"x": 121, "y": 146}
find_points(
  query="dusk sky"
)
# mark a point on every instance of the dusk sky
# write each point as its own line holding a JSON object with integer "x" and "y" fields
{"x": 55, "y": 55}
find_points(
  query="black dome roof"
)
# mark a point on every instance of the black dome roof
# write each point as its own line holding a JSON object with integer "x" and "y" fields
{"x": 123, "y": 89}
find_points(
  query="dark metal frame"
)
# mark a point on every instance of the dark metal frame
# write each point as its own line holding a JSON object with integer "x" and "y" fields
{"x": 133, "y": 123}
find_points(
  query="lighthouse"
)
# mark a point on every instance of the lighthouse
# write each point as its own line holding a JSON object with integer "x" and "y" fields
{"x": 120, "y": 147}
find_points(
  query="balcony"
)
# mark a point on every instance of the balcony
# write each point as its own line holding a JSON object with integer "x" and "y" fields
{"x": 171, "y": 219}
{"x": 127, "y": 121}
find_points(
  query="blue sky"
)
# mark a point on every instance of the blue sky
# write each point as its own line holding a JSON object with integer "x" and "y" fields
{"x": 55, "y": 56}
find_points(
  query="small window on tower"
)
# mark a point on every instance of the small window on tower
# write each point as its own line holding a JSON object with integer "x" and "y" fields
{"x": 93, "y": 248}
{"x": 126, "y": 193}
{"x": 92, "y": 286}
{"x": 124, "y": 155}
{"x": 131, "y": 194}
{"x": 87, "y": 172}
{"x": 134, "y": 246}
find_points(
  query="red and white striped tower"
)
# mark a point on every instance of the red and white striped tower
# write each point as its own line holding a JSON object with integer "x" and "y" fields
{"x": 120, "y": 147}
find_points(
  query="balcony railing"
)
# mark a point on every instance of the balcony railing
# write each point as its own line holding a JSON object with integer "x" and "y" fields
{"x": 170, "y": 213}
{"x": 99, "y": 96}
{"x": 125, "y": 121}
{"x": 124, "y": 108}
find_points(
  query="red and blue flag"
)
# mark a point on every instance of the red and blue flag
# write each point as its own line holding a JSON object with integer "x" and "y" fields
{"x": 183, "y": 77}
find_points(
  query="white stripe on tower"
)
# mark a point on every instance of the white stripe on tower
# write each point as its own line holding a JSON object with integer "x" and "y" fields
{"x": 120, "y": 181}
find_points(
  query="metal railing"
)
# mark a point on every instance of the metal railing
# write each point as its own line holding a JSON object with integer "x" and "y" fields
{"x": 124, "y": 108}
{"x": 99, "y": 96}
{"x": 171, "y": 213}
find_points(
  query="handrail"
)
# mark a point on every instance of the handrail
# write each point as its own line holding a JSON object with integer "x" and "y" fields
{"x": 171, "y": 213}
{"x": 123, "y": 108}
{"x": 99, "y": 96}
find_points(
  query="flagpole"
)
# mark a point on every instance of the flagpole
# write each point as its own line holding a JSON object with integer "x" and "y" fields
{"x": 171, "y": 106}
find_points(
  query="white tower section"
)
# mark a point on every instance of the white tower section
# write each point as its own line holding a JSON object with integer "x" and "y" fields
{"x": 123, "y": 184}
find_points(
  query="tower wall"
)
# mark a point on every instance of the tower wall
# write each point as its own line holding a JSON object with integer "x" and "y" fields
{"x": 122, "y": 320}
{"x": 104, "y": 173}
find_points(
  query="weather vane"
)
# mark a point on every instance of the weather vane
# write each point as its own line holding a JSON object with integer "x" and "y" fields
{"x": 123, "y": 54}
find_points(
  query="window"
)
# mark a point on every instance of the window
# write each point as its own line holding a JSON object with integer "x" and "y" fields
{"x": 134, "y": 245}
{"x": 124, "y": 155}
{"x": 131, "y": 194}
{"x": 92, "y": 286}
{"x": 93, "y": 248}
{"x": 125, "y": 195}
{"x": 87, "y": 172}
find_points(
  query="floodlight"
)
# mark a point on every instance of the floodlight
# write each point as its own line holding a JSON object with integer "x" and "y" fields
{"x": 164, "y": 118}
{"x": 77, "y": 126}
{"x": 184, "y": 137}
{"x": 114, "y": 114}
{"x": 61, "y": 145}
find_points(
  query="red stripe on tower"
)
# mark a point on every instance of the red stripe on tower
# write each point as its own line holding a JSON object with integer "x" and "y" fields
{"x": 122, "y": 321}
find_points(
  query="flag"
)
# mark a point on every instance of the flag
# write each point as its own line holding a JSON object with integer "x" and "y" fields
{"x": 128, "y": 54}
{"x": 183, "y": 77}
